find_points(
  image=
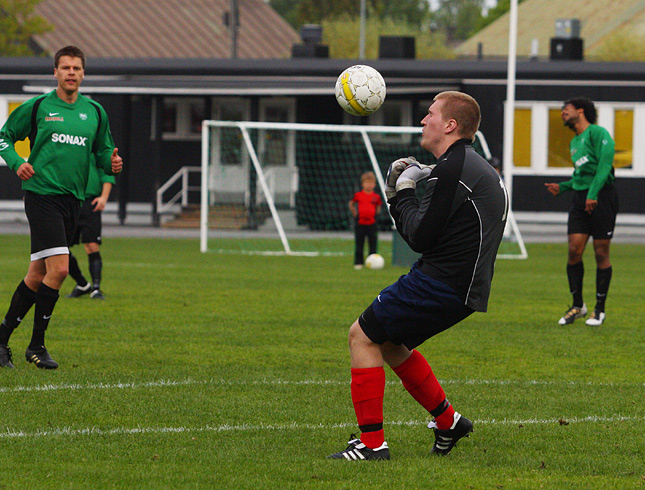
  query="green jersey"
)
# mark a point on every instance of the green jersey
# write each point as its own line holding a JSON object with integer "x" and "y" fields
{"x": 63, "y": 137}
{"x": 592, "y": 153}
{"x": 96, "y": 179}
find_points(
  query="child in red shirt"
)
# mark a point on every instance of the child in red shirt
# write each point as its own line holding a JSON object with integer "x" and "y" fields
{"x": 365, "y": 206}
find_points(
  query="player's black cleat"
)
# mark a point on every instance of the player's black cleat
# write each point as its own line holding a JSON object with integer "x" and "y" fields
{"x": 5, "y": 356}
{"x": 97, "y": 294}
{"x": 40, "y": 358}
{"x": 572, "y": 314}
{"x": 357, "y": 451}
{"x": 446, "y": 439}
{"x": 80, "y": 291}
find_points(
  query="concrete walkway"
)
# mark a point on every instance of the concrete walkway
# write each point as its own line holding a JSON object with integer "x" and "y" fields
{"x": 531, "y": 232}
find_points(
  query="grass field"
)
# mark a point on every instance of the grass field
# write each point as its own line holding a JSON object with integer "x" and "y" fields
{"x": 229, "y": 371}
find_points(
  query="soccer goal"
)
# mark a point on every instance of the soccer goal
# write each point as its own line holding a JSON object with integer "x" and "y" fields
{"x": 284, "y": 188}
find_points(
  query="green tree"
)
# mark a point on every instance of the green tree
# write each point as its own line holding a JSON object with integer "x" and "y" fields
{"x": 299, "y": 12}
{"x": 342, "y": 35}
{"x": 18, "y": 24}
{"x": 287, "y": 10}
{"x": 493, "y": 14}
{"x": 457, "y": 18}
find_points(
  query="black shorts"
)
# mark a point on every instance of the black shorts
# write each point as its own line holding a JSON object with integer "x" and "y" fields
{"x": 52, "y": 221}
{"x": 412, "y": 310}
{"x": 89, "y": 225}
{"x": 602, "y": 220}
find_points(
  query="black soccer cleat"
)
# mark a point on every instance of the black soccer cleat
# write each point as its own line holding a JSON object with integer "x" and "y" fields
{"x": 97, "y": 294}
{"x": 5, "y": 357}
{"x": 40, "y": 358}
{"x": 446, "y": 439}
{"x": 80, "y": 291}
{"x": 357, "y": 451}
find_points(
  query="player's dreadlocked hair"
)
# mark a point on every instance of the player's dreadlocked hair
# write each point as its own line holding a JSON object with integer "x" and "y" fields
{"x": 586, "y": 105}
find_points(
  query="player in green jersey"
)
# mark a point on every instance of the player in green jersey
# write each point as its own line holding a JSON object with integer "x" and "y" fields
{"x": 88, "y": 232}
{"x": 65, "y": 129}
{"x": 595, "y": 205}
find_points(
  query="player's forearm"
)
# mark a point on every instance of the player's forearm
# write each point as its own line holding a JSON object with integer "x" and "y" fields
{"x": 105, "y": 193}
{"x": 599, "y": 180}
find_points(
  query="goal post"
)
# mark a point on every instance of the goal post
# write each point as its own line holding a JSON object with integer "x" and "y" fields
{"x": 289, "y": 184}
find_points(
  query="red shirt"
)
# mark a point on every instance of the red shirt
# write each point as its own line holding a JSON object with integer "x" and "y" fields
{"x": 367, "y": 205}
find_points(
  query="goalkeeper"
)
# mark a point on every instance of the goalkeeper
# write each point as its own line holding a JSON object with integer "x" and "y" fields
{"x": 457, "y": 226}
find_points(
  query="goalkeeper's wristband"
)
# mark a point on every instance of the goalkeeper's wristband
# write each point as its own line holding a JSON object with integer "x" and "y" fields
{"x": 405, "y": 184}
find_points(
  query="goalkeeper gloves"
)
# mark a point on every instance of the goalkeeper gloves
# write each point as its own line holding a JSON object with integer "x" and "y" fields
{"x": 413, "y": 174}
{"x": 396, "y": 168}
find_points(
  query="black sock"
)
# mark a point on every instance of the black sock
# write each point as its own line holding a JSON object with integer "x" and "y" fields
{"x": 75, "y": 271}
{"x": 21, "y": 302}
{"x": 45, "y": 302}
{"x": 603, "y": 278}
{"x": 575, "y": 274}
{"x": 95, "y": 268}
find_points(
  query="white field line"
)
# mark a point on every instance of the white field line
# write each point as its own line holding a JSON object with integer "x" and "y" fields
{"x": 278, "y": 382}
{"x": 68, "y": 431}
{"x": 89, "y": 431}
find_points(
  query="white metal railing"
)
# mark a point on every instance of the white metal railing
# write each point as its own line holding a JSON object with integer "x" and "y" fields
{"x": 183, "y": 174}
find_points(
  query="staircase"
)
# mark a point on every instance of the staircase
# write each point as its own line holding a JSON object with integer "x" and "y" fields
{"x": 220, "y": 217}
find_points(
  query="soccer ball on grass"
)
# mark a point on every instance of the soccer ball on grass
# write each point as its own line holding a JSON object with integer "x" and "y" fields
{"x": 374, "y": 261}
{"x": 360, "y": 90}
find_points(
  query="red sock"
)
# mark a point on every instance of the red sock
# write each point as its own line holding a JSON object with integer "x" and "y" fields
{"x": 368, "y": 388}
{"x": 418, "y": 378}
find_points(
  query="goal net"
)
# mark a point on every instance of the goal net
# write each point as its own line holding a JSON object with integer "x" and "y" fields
{"x": 284, "y": 188}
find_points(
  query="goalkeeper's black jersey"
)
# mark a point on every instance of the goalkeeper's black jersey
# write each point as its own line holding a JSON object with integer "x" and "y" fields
{"x": 458, "y": 224}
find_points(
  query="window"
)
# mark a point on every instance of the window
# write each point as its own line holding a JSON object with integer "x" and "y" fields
{"x": 541, "y": 140}
{"x": 522, "y": 141}
{"x": 277, "y": 147}
{"x": 22, "y": 147}
{"x": 182, "y": 118}
{"x": 393, "y": 113}
{"x": 231, "y": 109}
{"x": 7, "y": 106}
{"x": 559, "y": 138}
{"x": 624, "y": 137}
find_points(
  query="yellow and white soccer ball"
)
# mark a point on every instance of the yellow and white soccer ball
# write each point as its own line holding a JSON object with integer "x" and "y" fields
{"x": 360, "y": 90}
{"x": 374, "y": 261}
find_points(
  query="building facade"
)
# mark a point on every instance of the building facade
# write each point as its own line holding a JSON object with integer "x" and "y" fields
{"x": 156, "y": 107}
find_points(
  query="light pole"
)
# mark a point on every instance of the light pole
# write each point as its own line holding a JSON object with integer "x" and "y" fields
{"x": 361, "y": 46}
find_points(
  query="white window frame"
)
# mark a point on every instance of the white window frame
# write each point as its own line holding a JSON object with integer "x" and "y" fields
{"x": 216, "y": 114}
{"x": 282, "y": 103}
{"x": 218, "y": 102}
{"x": 182, "y": 125}
{"x": 378, "y": 119}
{"x": 5, "y": 100}
{"x": 606, "y": 112}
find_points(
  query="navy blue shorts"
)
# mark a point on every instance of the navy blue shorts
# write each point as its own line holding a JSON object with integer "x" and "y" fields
{"x": 412, "y": 310}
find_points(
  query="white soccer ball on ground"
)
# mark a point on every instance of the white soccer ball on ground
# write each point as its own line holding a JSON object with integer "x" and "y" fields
{"x": 360, "y": 90}
{"x": 374, "y": 261}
